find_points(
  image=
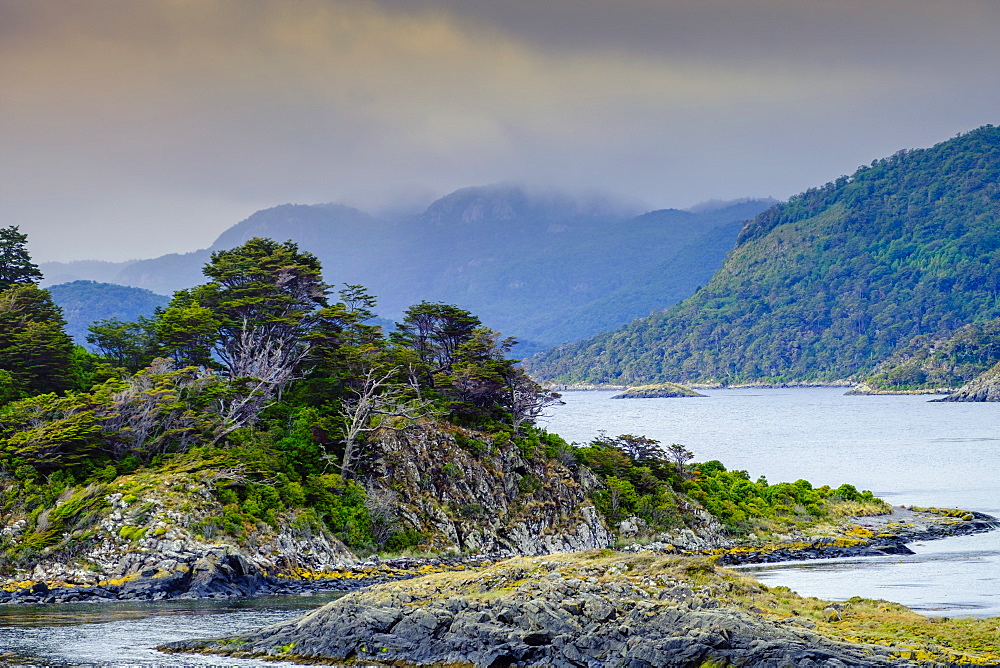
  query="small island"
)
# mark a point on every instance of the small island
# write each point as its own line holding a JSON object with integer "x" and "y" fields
{"x": 658, "y": 391}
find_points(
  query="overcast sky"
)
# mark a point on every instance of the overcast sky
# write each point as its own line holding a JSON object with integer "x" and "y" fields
{"x": 135, "y": 128}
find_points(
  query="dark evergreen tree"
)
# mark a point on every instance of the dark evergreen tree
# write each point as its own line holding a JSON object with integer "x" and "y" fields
{"x": 34, "y": 348}
{"x": 15, "y": 263}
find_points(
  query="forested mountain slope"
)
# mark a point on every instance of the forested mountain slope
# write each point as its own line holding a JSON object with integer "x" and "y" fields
{"x": 829, "y": 283}
{"x": 544, "y": 267}
{"x": 85, "y": 302}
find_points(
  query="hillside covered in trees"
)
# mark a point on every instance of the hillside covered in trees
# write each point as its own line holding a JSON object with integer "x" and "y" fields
{"x": 830, "y": 283}
{"x": 85, "y": 302}
{"x": 544, "y": 267}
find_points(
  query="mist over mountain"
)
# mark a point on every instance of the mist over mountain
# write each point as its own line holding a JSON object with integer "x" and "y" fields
{"x": 91, "y": 270}
{"x": 829, "y": 283}
{"x": 544, "y": 266}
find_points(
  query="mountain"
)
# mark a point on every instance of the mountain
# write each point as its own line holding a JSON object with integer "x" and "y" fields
{"x": 546, "y": 267}
{"x": 829, "y": 283}
{"x": 84, "y": 302}
{"x": 67, "y": 272}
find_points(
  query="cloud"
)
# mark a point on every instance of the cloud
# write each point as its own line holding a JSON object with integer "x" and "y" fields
{"x": 132, "y": 129}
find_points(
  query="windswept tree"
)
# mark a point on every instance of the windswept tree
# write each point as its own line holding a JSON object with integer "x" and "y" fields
{"x": 466, "y": 365}
{"x": 254, "y": 319}
{"x": 265, "y": 296}
{"x": 35, "y": 350}
{"x": 16, "y": 266}
{"x": 435, "y": 332}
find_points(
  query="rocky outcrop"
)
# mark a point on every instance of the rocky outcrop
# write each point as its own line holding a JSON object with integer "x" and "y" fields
{"x": 155, "y": 536}
{"x": 658, "y": 391}
{"x": 984, "y": 387}
{"x": 864, "y": 389}
{"x": 467, "y": 492}
{"x": 165, "y": 534}
{"x": 598, "y": 610}
{"x": 870, "y": 536}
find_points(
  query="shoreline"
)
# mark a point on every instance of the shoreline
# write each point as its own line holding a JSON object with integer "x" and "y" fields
{"x": 859, "y": 537}
{"x": 602, "y": 609}
{"x": 556, "y": 387}
{"x": 872, "y": 536}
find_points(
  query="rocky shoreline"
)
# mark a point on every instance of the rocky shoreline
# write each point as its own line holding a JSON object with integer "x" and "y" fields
{"x": 865, "y": 537}
{"x": 598, "y": 609}
{"x": 225, "y": 574}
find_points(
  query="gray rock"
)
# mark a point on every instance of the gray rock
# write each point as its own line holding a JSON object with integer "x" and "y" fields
{"x": 546, "y": 622}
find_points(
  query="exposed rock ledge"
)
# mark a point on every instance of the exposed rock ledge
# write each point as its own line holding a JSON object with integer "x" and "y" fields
{"x": 597, "y": 609}
{"x": 984, "y": 387}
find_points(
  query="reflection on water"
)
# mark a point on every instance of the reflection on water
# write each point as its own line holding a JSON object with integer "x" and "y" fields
{"x": 903, "y": 448}
{"x": 124, "y": 634}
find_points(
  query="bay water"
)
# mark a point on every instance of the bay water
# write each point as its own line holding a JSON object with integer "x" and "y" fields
{"x": 905, "y": 449}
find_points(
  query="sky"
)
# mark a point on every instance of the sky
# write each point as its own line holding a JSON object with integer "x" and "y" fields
{"x": 133, "y": 129}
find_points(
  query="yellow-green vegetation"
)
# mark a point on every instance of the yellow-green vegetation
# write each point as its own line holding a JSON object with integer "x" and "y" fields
{"x": 956, "y": 513}
{"x": 858, "y": 620}
{"x": 967, "y": 640}
{"x": 370, "y": 572}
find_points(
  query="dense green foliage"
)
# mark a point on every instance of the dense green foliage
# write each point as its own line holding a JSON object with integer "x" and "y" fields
{"x": 939, "y": 361}
{"x": 35, "y": 352}
{"x": 86, "y": 302}
{"x": 36, "y": 355}
{"x": 655, "y": 483}
{"x": 745, "y": 505}
{"x": 544, "y": 267}
{"x": 830, "y": 283}
{"x": 16, "y": 267}
{"x": 256, "y": 379}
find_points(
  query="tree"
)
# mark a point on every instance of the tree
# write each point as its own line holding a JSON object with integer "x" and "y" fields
{"x": 527, "y": 400}
{"x": 15, "y": 264}
{"x": 34, "y": 348}
{"x": 342, "y": 345}
{"x": 265, "y": 296}
{"x": 377, "y": 404}
{"x": 131, "y": 345}
{"x": 435, "y": 332}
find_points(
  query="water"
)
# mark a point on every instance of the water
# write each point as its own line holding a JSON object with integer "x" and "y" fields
{"x": 906, "y": 450}
{"x": 124, "y": 634}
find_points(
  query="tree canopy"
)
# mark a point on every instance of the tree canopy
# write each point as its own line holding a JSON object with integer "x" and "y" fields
{"x": 15, "y": 264}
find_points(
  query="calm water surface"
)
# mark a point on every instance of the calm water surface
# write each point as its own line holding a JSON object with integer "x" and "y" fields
{"x": 124, "y": 634}
{"x": 906, "y": 450}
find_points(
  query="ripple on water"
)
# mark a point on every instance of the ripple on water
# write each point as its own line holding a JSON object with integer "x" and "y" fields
{"x": 903, "y": 448}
